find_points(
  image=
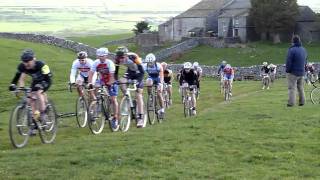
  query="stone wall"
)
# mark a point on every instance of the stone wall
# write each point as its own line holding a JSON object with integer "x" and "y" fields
{"x": 51, "y": 40}
{"x": 241, "y": 73}
{"x": 120, "y": 42}
{"x": 179, "y": 48}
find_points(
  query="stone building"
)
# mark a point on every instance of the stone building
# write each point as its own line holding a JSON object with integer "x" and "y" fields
{"x": 229, "y": 19}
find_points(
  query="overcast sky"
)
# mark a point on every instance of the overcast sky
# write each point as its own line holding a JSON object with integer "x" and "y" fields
{"x": 173, "y": 5}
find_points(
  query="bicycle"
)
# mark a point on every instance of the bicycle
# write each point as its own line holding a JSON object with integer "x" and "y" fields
{"x": 82, "y": 106}
{"x": 165, "y": 94}
{"x": 227, "y": 90}
{"x": 100, "y": 111}
{"x": 315, "y": 94}
{"x": 265, "y": 80}
{"x": 152, "y": 105}
{"x": 128, "y": 108}
{"x": 187, "y": 100}
{"x": 22, "y": 123}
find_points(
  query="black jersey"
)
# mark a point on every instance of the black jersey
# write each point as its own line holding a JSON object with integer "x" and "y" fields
{"x": 189, "y": 77}
{"x": 40, "y": 72}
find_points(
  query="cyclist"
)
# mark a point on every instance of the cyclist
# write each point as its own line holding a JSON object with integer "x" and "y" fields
{"x": 310, "y": 73}
{"x": 83, "y": 65}
{"x": 265, "y": 75}
{"x": 198, "y": 70}
{"x": 155, "y": 76}
{"x": 134, "y": 71}
{"x": 228, "y": 76}
{"x": 105, "y": 70}
{"x": 41, "y": 80}
{"x": 273, "y": 72}
{"x": 168, "y": 77}
{"x": 221, "y": 67}
{"x": 189, "y": 79}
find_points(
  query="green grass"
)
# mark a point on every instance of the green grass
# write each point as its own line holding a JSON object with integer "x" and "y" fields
{"x": 97, "y": 41}
{"x": 254, "y": 53}
{"x": 254, "y": 137}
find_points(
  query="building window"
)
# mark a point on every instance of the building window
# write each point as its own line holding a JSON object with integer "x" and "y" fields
{"x": 180, "y": 32}
{"x": 235, "y": 32}
{"x": 224, "y": 27}
{"x": 236, "y": 21}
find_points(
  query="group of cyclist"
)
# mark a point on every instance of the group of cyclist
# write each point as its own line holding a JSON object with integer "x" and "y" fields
{"x": 268, "y": 74}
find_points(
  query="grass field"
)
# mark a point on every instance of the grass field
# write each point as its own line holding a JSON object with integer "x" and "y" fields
{"x": 254, "y": 53}
{"x": 254, "y": 137}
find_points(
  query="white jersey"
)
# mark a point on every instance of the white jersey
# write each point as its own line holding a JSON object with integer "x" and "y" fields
{"x": 104, "y": 69}
{"x": 83, "y": 69}
{"x": 198, "y": 70}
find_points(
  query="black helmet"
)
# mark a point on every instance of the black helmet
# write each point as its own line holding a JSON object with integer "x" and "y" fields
{"x": 82, "y": 55}
{"x": 121, "y": 51}
{"x": 27, "y": 55}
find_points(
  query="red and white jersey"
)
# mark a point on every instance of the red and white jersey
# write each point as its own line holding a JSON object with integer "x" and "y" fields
{"x": 104, "y": 69}
{"x": 83, "y": 69}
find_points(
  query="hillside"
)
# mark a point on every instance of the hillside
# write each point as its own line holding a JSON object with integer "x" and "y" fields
{"x": 254, "y": 53}
{"x": 254, "y": 137}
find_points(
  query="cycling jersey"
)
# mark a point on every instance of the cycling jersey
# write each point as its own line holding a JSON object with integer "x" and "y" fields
{"x": 83, "y": 69}
{"x": 40, "y": 73}
{"x": 221, "y": 68}
{"x": 311, "y": 69}
{"x": 105, "y": 70}
{"x": 167, "y": 76}
{"x": 153, "y": 71}
{"x": 265, "y": 69}
{"x": 134, "y": 66}
{"x": 228, "y": 73}
{"x": 273, "y": 70}
{"x": 189, "y": 77}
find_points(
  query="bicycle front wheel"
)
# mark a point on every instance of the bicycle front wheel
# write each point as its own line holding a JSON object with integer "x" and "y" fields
{"x": 49, "y": 125}
{"x": 151, "y": 109}
{"x": 315, "y": 96}
{"x": 96, "y": 117}
{"x": 125, "y": 114}
{"x": 19, "y": 128}
{"x": 81, "y": 112}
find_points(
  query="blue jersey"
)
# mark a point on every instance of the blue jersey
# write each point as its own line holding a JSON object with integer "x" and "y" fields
{"x": 222, "y": 66}
{"x": 153, "y": 71}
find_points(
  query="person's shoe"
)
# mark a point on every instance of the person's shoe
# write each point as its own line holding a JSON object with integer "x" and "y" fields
{"x": 268, "y": 88}
{"x": 114, "y": 125}
{"x": 301, "y": 104}
{"x": 289, "y": 105}
{"x": 263, "y": 88}
{"x": 140, "y": 123}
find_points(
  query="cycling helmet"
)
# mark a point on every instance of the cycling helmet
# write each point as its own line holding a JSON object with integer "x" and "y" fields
{"x": 102, "y": 52}
{"x": 265, "y": 63}
{"x": 195, "y": 64}
{"x": 224, "y": 62}
{"x": 27, "y": 55}
{"x": 228, "y": 66}
{"x": 310, "y": 64}
{"x": 82, "y": 55}
{"x": 187, "y": 65}
{"x": 150, "y": 58}
{"x": 121, "y": 51}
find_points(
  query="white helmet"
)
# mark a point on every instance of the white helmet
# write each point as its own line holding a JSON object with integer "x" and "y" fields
{"x": 102, "y": 52}
{"x": 195, "y": 64}
{"x": 265, "y": 63}
{"x": 224, "y": 62}
{"x": 150, "y": 58}
{"x": 310, "y": 64}
{"x": 228, "y": 66}
{"x": 187, "y": 65}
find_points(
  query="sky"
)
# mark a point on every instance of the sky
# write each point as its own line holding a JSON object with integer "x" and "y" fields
{"x": 170, "y": 5}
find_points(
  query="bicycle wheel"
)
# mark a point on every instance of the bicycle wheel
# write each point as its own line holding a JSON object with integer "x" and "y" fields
{"x": 48, "y": 126}
{"x": 107, "y": 104}
{"x": 125, "y": 114}
{"x": 19, "y": 128}
{"x": 96, "y": 117}
{"x": 151, "y": 109}
{"x": 186, "y": 107}
{"x": 315, "y": 96}
{"x": 81, "y": 112}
